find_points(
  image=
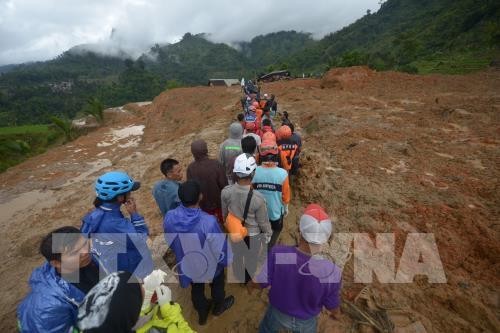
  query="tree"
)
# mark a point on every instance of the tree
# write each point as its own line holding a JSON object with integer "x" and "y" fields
{"x": 129, "y": 63}
{"x": 66, "y": 127}
{"x": 172, "y": 84}
{"x": 94, "y": 108}
{"x": 407, "y": 48}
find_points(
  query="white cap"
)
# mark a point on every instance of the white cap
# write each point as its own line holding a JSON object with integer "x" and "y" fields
{"x": 244, "y": 165}
{"x": 315, "y": 225}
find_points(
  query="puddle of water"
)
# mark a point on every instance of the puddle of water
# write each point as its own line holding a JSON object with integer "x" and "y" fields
{"x": 143, "y": 103}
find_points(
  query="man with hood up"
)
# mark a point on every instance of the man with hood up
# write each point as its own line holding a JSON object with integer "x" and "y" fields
{"x": 211, "y": 177}
{"x": 59, "y": 285}
{"x": 201, "y": 251}
{"x": 230, "y": 149}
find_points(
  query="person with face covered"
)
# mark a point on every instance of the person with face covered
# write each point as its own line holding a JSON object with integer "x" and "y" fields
{"x": 119, "y": 243}
{"x": 59, "y": 285}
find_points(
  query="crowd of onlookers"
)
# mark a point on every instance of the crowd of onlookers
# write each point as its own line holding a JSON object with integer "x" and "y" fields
{"x": 229, "y": 212}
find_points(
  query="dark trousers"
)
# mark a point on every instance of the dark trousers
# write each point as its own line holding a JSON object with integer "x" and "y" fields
{"x": 246, "y": 256}
{"x": 295, "y": 166}
{"x": 200, "y": 302}
{"x": 277, "y": 226}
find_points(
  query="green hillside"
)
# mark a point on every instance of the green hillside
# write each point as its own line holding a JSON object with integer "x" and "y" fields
{"x": 450, "y": 36}
{"x": 417, "y": 36}
{"x": 194, "y": 60}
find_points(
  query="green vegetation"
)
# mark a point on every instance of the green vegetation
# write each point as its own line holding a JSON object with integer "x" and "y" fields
{"x": 195, "y": 60}
{"x": 20, "y": 142}
{"x": 26, "y": 129}
{"x": 460, "y": 63}
{"x": 172, "y": 84}
{"x": 415, "y": 36}
{"x": 65, "y": 127}
{"x": 93, "y": 108}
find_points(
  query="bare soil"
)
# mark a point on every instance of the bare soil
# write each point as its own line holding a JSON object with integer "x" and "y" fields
{"x": 383, "y": 152}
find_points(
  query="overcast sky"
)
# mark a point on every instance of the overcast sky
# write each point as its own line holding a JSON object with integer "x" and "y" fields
{"x": 41, "y": 29}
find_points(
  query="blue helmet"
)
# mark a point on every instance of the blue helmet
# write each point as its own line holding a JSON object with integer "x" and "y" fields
{"x": 114, "y": 183}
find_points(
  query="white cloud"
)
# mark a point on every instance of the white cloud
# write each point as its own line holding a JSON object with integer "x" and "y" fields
{"x": 41, "y": 29}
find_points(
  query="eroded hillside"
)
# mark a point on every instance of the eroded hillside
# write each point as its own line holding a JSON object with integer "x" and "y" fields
{"x": 384, "y": 152}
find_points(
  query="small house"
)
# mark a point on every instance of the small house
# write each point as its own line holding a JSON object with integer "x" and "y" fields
{"x": 223, "y": 82}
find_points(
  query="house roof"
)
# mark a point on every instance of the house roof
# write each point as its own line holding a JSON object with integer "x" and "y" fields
{"x": 226, "y": 82}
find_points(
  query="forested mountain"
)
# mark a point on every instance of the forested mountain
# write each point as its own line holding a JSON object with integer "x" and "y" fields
{"x": 413, "y": 35}
{"x": 448, "y": 36}
{"x": 194, "y": 60}
{"x": 275, "y": 48}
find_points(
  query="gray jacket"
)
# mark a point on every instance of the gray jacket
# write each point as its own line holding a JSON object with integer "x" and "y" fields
{"x": 231, "y": 148}
{"x": 234, "y": 198}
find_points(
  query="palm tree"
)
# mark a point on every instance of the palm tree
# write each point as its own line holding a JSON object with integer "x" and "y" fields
{"x": 94, "y": 108}
{"x": 65, "y": 126}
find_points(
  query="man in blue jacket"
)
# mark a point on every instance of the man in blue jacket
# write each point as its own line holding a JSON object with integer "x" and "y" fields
{"x": 59, "y": 285}
{"x": 118, "y": 243}
{"x": 165, "y": 190}
{"x": 201, "y": 251}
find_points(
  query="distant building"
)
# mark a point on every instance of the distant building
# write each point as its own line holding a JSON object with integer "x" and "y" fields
{"x": 223, "y": 82}
{"x": 63, "y": 86}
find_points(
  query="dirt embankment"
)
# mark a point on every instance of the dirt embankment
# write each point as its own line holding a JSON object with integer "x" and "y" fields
{"x": 388, "y": 152}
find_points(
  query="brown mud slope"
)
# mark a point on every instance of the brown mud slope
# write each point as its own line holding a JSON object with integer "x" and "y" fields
{"x": 386, "y": 152}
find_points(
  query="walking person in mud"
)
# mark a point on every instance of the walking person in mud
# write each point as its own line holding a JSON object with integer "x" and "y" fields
{"x": 229, "y": 149}
{"x": 201, "y": 251}
{"x": 272, "y": 181}
{"x": 307, "y": 276}
{"x": 211, "y": 176}
{"x": 248, "y": 208}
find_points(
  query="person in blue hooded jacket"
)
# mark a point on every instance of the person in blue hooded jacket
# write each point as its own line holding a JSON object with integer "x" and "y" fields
{"x": 201, "y": 251}
{"x": 118, "y": 243}
{"x": 59, "y": 285}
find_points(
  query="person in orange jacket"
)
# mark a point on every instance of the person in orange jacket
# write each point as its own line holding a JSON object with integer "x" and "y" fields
{"x": 259, "y": 112}
{"x": 286, "y": 146}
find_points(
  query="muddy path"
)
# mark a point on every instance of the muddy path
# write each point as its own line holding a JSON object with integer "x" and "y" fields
{"x": 388, "y": 153}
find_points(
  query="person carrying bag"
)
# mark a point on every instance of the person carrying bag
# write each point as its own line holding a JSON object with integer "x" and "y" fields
{"x": 247, "y": 220}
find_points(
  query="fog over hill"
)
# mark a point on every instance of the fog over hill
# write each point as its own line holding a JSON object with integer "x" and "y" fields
{"x": 34, "y": 30}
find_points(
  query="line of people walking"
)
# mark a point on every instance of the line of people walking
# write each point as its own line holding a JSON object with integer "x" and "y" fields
{"x": 228, "y": 213}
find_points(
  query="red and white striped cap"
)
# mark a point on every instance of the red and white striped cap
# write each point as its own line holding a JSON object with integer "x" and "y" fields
{"x": 315, "y": 225}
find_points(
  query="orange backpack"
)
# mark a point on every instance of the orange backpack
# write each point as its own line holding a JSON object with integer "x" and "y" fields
{"x": 235, "y": 226}
{"x": 287, "y": 153}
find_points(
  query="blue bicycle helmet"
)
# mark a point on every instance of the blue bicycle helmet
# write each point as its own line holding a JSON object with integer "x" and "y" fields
{"x": 114, "y": 183}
